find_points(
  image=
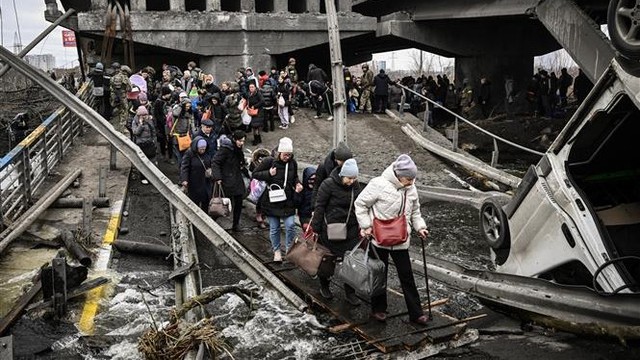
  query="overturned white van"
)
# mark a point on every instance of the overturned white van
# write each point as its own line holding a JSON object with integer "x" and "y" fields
{"x": 575, "y": 217}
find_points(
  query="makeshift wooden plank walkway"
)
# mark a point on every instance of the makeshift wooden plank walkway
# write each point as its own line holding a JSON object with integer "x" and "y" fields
{"x": 397, "y": 333}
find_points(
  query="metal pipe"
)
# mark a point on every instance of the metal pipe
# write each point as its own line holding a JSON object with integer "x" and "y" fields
{"x": 20, "y": 225}
{"x": 474, "y": 125}
{"x": 75, "y": 249}
{"x": 39, "y": 38}
{"x": 102, "y": 182}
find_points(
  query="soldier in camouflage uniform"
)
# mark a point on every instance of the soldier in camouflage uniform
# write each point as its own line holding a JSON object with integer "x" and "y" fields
{"x": 367, "y": 86}
{"x": 119, "y": 87}
{"x": 466, "y": 99}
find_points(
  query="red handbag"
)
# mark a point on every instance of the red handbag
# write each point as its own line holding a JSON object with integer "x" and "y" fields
{"x": 393, "y": 231}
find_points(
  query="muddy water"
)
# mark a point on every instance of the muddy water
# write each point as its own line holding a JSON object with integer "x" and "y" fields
{"x": 17, "y": 268}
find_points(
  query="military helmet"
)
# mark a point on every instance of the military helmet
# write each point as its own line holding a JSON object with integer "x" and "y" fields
{"x": 126, "y": 69}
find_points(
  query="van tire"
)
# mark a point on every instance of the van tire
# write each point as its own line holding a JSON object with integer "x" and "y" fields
{"x": 494, "y": 225}
{"x": 620, "y": 24}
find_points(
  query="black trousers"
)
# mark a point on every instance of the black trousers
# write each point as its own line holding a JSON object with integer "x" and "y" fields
{"x": 405, "y": 273}
{"x": 236, "y": 204}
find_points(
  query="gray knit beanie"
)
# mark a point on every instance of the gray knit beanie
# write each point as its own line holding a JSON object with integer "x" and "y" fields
{"x": 349, "y": 168}
{"x": 405, "y": 167}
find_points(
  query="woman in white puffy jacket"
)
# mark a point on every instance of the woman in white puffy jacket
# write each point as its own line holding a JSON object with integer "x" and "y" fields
{"x": 384, "y": 198}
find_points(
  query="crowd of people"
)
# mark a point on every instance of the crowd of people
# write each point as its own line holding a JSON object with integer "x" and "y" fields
{"x": 202, "y": 126}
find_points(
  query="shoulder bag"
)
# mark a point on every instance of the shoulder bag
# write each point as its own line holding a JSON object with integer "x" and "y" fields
{"x": 338, "y": 231}
{"x": 208, "y": 172}
{"x": 311, "y": 257}
{"x": 363, "y": 273}
{"x": 276, "y": 193}
{"x": 252, "y": 111}
{"x": 183, "y": 141}
{"x": 219, "y": 205}
{"x": 393, "y": 231}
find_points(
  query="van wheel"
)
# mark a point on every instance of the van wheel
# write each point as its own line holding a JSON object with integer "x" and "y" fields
{"x": 623, "y": 23}
{"x": 494, "y": 225}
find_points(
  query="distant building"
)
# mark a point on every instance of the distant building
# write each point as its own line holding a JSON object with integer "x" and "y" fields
{"x": 381, "y": 65}
{"x": 44, "y": 62}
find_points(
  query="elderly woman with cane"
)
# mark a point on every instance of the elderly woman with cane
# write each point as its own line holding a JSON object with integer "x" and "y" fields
{"x": 387, "y": 209}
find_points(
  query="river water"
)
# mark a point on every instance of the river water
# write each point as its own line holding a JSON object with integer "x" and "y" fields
{"x": 272, "y": 329}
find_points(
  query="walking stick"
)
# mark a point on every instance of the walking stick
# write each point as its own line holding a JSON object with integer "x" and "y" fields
{"x": 426, "y": 278}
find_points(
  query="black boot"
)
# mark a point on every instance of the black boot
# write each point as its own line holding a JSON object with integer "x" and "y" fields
{"x": 255, "y": 140}
{"x": 272, "y": 125}
{"x": 350, "y": 295}
{"x": 325, "y": 291}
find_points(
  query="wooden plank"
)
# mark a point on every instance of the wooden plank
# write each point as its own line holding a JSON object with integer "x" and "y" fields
{"x": 20, "y": 305}
{"x": 358, "y": 317}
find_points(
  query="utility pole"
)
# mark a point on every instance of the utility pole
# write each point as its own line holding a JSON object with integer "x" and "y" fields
{"x": 339, "y": 98}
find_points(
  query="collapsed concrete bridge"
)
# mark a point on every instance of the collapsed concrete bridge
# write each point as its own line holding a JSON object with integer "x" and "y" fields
{"x": 490, "y": 38}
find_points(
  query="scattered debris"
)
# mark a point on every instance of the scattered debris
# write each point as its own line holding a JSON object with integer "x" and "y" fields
{"x": 176, "y": 339}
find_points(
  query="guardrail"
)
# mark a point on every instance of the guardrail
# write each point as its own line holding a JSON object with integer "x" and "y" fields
{"x": 24, "y": 169}
{"x": 454, "y": 147}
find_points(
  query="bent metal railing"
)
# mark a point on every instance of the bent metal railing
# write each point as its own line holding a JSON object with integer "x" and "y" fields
{"x": 24, "y": 169}
{"x": 496, "y": 138}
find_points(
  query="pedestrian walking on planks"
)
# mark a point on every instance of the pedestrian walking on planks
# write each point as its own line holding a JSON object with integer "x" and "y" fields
{"x": 334, "y": 207}
{"x": 393, "y": 196}
{"x": 277, "y": 201}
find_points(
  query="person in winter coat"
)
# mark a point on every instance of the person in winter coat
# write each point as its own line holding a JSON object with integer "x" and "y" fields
{"x": 160, "y": 110}
{"x": 333, "y": 160}
{"x": 255, "y": 101}
{"x": 192, "y": 173}
{"x": 144, "y": 132}
{"x": 283, "y": 90}
{"x": 335, "y": 204}
{"x": 304, "y": 199}
{"x": 384, "y": 198}
{"x": 256, "y": 159}
{"x": 233, "y": 119}
{"x": 208, "y": 133}
{"x": 317, "y": 80}
{"x": 381, "y": 92}
{"x": 269, "y": 109}
{"x": 229, "y": 166}
{"x": 564, "y": 82}
{"x": 182, "y": 124}
{"x": 282, "y": 171}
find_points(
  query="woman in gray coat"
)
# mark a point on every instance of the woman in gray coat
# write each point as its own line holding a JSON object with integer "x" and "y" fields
{"x": 388, "y": 196}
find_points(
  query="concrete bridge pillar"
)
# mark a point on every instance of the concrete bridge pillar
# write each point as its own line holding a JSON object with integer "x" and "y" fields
{"x": 280, "y": 6}
{"x": 214, "y": 5}
{"x": 247, "y": 5}
{"x": 177, "y": 5}
{"x": 138, "y": 5}
{"x": 344, "y": 5}
{"x": 495, "y": 69}
{"x": 313, "y": 6}
{"x": 224, "y": 67}
{"x": 98, "y": 5}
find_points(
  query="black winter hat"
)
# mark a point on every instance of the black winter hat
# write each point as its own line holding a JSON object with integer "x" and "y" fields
{"x": 165, "y": 90}
{"x": 342, "y": 152}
